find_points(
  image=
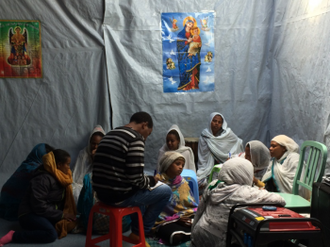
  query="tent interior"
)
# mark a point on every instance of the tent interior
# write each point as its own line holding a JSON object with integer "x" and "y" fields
{"x": 102, "y": 61}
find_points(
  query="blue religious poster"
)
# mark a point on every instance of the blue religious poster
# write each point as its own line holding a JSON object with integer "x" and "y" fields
{"x": 188, "y": 52}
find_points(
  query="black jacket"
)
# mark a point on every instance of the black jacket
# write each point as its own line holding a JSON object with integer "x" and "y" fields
{"x": 44, "y": 197}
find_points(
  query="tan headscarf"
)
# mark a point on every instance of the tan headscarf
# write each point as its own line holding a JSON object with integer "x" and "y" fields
{"x": 63, "y": 226}
{"x": 167, "y": 159}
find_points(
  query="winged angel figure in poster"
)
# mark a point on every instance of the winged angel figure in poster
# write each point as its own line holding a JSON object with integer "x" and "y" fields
{"x": 18, "y": 43}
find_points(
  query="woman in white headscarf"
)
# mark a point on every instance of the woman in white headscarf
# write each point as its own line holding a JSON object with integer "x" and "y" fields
{"x": 84, "y": 160}
{"x": 282, "y": 169}
{"x": 175, "y": 142}
{"x": 210, "y": 222}
{"x": 258, "y": 154}
{"x": 216, "y": 144}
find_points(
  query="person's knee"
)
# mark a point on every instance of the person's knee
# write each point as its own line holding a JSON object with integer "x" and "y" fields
{"x": 166, "y": 192}
{"x": 50, "y": 236}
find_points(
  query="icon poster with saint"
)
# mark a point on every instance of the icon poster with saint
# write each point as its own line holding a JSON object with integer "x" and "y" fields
{"x": 188, "y": 51}
{"x": 20, "y": 49}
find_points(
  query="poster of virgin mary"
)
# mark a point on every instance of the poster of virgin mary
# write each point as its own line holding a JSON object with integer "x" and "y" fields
{"x": 188, "y": 52}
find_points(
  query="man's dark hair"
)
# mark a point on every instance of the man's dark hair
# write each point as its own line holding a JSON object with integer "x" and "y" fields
{"x": 141, "y": 117}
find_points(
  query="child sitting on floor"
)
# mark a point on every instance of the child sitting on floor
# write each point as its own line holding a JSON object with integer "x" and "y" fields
{"x": 173, "y": 225}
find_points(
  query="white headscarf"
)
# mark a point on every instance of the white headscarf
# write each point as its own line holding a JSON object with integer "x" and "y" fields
{"x": 167, "y": 160}
{"x": 283, "y": 170}
{"x": 185, "y": 151}
{"x": 260, "y": 155}
{"x": 211, "y": 148}
{"x": 213, "y": 210}
{"x": 83, "y": 164}
{"x": 287, "y": 142}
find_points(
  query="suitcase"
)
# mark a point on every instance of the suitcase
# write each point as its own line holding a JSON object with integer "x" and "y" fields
{"x": 253, "y": 226}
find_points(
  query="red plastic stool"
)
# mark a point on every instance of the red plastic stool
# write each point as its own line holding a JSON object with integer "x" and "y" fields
{"x": 115, "y": 225}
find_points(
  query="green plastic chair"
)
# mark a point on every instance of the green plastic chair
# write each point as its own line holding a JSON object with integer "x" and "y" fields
{"x": 313, "y": 157}
{"x": 215, "y": 168}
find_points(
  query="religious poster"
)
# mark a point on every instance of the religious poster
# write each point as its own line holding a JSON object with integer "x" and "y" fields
{"x": 20, "y": 49}
{"x": 188, "y": 52}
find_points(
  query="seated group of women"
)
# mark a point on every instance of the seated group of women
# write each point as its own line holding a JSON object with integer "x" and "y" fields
{"x": 274, "y": 167}
{"x": 182, "y": 219}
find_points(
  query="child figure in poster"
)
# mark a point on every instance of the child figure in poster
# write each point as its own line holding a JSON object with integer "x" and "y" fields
{"x": 170, "y": 64}
{"x": 196, "y": 43}
{"x": 174, "y": 26}
{"x": 208, "y": 57}
{"x": 204, "y": 25}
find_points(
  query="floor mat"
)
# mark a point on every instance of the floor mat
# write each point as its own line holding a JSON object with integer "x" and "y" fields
{"x": 154, "y": 243}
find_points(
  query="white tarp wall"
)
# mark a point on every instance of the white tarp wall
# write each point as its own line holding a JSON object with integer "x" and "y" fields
{"x": 271, "y": 60}
{"x": 62, "y": 108}
{"x": 243, "y": 83}
{"x": 300, "y": 61}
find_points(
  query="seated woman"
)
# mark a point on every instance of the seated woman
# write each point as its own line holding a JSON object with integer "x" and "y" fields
{"x": 216, "y": 144}
{"x": 47, "y": 210}
{"x": 14, "y": 189}
{"x": 175, "y": 142}
{"x": 173, "y": 225}
{"x": 87, "y": 199}
{"x": 84, "y": 160}
{"x": 282, "y": 169}
{"x": 210, "y": 222}
{"x": 258, "y": 154}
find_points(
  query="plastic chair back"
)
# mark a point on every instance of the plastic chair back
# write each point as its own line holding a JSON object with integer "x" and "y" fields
{"x": 215, "y": 171}
{"x": 191, "y": 178}
{"x": 313, "y": 157}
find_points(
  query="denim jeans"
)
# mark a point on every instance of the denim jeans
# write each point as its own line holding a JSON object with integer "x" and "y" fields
{"x": 151, "y": 204}
{"x": 37, "y": 229}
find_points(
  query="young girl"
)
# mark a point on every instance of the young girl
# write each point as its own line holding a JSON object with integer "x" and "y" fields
{"x": 175, "y": 142}
{"x": 47, "y": 210}
{"x": 173, "y": 225}
{"x": 85, "y": 159}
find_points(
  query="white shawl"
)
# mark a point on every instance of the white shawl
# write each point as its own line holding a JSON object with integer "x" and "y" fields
{"x": 219, "y": 147}
{"x": 283, "y": 170}
{"x": 213, "y": 210}
{"x": 83, "y": 165}
{"x": 186, "y": 152}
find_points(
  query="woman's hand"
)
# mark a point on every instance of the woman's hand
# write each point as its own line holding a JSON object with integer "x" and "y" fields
{"x": 69, "y": 217}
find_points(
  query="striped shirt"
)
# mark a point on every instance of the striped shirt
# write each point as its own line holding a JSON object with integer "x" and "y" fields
{"x": 118, "y": 165}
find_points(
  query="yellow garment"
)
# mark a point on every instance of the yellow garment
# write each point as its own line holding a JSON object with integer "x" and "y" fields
{"x": 63, "y": 226}
{"x": 260, "y": 184}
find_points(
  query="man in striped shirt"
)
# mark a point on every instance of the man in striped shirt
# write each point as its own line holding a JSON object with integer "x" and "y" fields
{"x": 118, "y": 176}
